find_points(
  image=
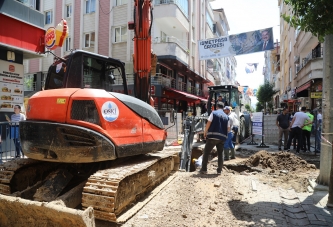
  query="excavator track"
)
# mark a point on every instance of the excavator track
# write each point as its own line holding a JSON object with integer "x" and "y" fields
{"x": 105, "y": 194}
{"x": 111, "y": 191}
{"x": 11, "y": 182}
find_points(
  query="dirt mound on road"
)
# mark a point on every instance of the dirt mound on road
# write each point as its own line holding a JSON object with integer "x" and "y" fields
{"x": 278, "y": 161}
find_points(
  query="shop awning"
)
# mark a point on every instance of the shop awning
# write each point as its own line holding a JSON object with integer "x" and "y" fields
{"x": 303, "y": 87}
{"x": 290, "y": 100}
{"x": 187, "y": 96}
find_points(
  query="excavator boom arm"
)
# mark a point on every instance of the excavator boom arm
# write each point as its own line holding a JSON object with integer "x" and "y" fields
{"x": 143, "y": 18}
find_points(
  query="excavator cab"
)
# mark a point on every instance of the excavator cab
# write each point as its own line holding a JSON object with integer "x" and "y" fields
{"x": 85, "y": 117}
{"x": 229, "y": 94}
{"x": 81, "y": 69}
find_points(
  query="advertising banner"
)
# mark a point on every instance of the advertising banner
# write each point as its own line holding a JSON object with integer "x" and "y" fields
{"x": 316, "y": 95}
{"x": 215, "y": 48}
{"x": 11, "y": 85}
{"x": 238, "y": 44}
{"x": 257, "y": 123}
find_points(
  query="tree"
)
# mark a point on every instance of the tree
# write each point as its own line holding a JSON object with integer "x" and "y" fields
{"x": 248, "y": 107}
{"x": 265, "y": 93}
{"x": 316, "y": 17}
{"x": 270, "y": 105}
{"x": 259, "y": 107}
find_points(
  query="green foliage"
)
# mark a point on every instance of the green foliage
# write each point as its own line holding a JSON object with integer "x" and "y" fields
{"x": 265, "y": 92}
{"x": 248, "y": 107}
{"x": 270, "y": 105}
{"x": 259, "y": 107}
{"x": 28, "y": 82}
{"x": 313, "y": 16}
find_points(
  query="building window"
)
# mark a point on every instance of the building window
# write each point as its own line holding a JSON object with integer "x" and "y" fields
{"x": 193, "y": 33}
{"x": 89, "y": 39}
{"x": 29, "y": 3}
{"x": 290, "y": 75}
{"x": 120, "y": 34}
{"x": 68, "y": 44}
{"x": 121, "y": 2}
{"x": 90, "y": 6}
{"x": 48, "y": 17}
{"x": 209, "y": 21}
{"x": 69, "y": 10}
{"x": 164, "y": 37}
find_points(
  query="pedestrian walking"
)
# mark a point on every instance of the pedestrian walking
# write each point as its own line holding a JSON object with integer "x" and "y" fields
{"x": 283, "y": 124}
{"x": 318, "y": 132}
{"x": 216, "y": 131}
{"x": 307, "y": 132}
{"x": 229, "y": 148}
{"x": 297, "y": 124}
{"x": 14, "y": 128}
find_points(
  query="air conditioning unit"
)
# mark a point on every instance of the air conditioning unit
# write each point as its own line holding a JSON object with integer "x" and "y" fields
{"x": 296, "y": 59}
{"x": 288, "y": 88}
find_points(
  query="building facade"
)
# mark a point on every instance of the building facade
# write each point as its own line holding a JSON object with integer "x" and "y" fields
{"x": 21, "y": 37}
{"x": 301, "y": 66}
{"x": 181, "y": 79}
{"x": 271, "y": 72}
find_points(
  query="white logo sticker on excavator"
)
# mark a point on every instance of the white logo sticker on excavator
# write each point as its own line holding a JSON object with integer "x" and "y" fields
{"x": 110, "y": 111}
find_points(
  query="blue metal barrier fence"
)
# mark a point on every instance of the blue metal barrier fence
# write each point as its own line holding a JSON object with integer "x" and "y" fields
{"x": 9, "y": 133}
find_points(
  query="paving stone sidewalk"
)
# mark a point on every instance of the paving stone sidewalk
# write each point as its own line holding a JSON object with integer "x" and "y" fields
{"x": 271, "y": 207}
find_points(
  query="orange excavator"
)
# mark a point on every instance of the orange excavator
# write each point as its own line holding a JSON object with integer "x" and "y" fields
{"x": 94, "y": 149}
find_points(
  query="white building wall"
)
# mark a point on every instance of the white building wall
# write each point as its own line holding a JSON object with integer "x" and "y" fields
{"x": 120, "y": 15}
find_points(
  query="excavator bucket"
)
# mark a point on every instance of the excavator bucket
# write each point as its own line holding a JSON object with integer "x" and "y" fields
{"x": 21, "y": 212}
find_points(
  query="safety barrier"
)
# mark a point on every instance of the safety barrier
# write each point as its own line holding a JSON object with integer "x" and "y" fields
{"x": 9, "y": 137}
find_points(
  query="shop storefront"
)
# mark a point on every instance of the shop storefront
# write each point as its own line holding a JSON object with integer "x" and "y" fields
{"x": 316, "y": 94}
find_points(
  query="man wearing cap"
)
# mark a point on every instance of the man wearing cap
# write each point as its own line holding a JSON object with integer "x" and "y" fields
{"x": 234, "y": 123}
{"x": 297, "y": 124}
{"x": 216, "y": 131}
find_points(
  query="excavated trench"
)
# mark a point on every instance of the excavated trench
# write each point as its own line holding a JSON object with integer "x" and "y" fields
{"x": 241, "y": 168}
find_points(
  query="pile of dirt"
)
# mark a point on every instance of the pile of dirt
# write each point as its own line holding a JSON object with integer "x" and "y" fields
{"x": 278, "y": 161}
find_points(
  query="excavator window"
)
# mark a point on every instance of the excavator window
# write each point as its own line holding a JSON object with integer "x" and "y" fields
{"x": 234, "y": 100}
{"x": 56, "y": 75}
{"x": 84, "y": 70}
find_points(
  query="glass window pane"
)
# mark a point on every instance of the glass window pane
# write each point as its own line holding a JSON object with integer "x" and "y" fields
{"x": 124, "y": 34}
{"x": 69, "y": 10}
{"x": 92, "y": 39}
{"x": 87, "y": 6}
{"x": 117, "y": 34}
{"x": 86, "y": 40}
{"x": 92, "y": 5}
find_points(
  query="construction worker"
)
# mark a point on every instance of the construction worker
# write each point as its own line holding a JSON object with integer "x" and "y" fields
{"x": 216, "y": 131}
{"x": 229, "y": 147}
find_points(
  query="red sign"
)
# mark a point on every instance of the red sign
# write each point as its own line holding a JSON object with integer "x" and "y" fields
{"x": 152, "y": 90}
{"x": 50, "y": 38}
{"x": 11, "y": 68}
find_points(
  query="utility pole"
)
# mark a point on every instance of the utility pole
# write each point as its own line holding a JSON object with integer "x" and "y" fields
{"x": 326, "y": 159}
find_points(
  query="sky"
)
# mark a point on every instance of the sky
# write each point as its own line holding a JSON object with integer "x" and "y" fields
{"x": 245, "y": 16}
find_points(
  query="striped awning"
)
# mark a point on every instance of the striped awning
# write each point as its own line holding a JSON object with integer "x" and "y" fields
{"x": 303, "y": 87}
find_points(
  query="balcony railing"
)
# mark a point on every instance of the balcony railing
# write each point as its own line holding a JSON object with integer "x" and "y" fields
{"x": 314, "y": 53}
{"x": 182, "y": 4}
{"x": 167, "y": 81}
{"x": 171, "y": 39}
